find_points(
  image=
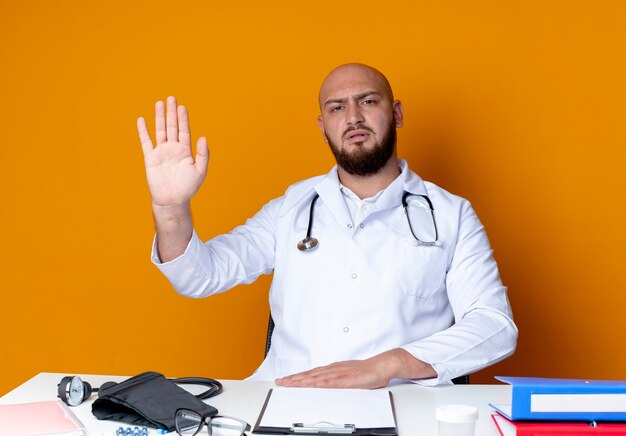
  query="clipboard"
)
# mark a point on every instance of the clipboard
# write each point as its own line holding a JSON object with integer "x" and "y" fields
{"x": 313, "y": 411}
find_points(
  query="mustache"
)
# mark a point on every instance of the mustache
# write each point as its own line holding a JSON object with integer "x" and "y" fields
{"x": 357, "y": 127}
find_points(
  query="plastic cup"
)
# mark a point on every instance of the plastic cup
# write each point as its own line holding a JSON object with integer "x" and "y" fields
{"x": 457, "y": 420}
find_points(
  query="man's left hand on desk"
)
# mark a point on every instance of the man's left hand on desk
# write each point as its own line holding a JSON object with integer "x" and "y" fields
{"x": 348, "y": 374}
{"x": 372, "y": 373}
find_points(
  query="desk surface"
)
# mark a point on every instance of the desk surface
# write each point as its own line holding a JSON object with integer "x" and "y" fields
{"x": 415, "y": 405}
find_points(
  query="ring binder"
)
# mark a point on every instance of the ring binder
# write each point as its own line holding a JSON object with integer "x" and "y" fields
{"x": 554, "y": 399}
{"x": 323, "y": 427}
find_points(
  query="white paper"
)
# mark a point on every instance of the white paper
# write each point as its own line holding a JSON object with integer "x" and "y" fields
{"x": 578, "y": 403}
{"x": 361, "y": 407}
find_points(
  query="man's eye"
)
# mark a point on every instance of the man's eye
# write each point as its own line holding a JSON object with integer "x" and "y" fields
{"x": 336, "y": 108}
{"x": 369, "y": 101}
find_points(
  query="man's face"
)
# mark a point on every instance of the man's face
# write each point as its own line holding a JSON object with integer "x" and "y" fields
{"x": 359, "y": 118}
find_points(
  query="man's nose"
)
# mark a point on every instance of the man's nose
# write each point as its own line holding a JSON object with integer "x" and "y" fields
{"x": 353, "y": 114}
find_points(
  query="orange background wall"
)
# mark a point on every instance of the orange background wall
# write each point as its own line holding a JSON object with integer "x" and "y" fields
{"x": 518, "y": 106}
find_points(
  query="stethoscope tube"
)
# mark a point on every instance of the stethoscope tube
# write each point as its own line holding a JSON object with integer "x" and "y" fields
{"x": 309, "y": 243}
{"x": 405, "y": 205}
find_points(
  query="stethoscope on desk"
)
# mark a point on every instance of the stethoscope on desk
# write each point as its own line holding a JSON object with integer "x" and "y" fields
{"x": 309, "y": 243}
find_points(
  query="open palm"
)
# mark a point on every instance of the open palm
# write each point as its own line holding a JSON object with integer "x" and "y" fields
{"x": 173, "y": 174}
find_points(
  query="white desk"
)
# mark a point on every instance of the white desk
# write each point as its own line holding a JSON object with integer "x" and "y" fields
{"x": 415, "y": 405}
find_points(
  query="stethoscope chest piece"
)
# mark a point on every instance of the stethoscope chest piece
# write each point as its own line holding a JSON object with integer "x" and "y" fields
{"x": 307, "y": 244}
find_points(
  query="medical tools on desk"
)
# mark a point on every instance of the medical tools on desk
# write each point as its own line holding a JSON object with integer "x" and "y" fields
{"x": 148, "y": 399}
{"x": 72, "y": 390}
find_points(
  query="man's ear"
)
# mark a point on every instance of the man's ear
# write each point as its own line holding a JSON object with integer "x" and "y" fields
{"x": 398, "y": 113}
{"x": 320, "y": 123}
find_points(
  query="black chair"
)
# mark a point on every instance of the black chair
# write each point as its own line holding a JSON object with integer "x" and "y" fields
{"x": 461, "y": 380}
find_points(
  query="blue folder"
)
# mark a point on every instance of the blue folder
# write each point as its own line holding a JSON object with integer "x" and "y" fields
{"x": 554, "y": 399}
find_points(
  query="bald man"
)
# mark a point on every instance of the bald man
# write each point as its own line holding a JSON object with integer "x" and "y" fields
{"x": 378, "y": 275}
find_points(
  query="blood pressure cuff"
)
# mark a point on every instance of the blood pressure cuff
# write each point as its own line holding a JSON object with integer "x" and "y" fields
{"x": 148, "y": 399}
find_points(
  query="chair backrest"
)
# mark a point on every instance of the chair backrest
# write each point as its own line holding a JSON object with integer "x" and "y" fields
{"x": 461, "y": 380}
{"x": 270, "y": 330}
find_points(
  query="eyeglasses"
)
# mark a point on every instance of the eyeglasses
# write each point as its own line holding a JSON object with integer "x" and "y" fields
{"x": 189, "y": 423}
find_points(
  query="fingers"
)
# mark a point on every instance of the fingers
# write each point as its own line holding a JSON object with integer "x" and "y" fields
{"x": 202, "y": 155}
{"x": 171, "y": 120}
{"x": 314, "y": 381}
{"x": 348, "y": 374}
{"x": 159, "y": 109}
{"x": 316, "y": 377}
{"x": 172, "y": 124}
{"x": 184, "y": 135}
{"x": 144, "y": 136}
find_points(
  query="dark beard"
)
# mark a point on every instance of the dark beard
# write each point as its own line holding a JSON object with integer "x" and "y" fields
{"x": 365, "y": 162}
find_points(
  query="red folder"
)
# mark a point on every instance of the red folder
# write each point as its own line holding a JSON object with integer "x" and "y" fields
{"x": 553, "y": 428}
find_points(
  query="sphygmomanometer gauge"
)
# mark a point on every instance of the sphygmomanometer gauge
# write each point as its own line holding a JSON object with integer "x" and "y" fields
{"x": 73, "y": 391}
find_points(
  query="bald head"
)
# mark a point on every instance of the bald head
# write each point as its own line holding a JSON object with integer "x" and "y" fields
{"x": 353, "y": 76}
{"x": 358, "y": 119}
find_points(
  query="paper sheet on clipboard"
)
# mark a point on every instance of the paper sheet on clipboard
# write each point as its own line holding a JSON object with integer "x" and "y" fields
{"x": 360, "y": 407}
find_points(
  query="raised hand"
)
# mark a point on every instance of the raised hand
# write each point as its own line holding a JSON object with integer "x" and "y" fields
{"x": 173, "y": 174}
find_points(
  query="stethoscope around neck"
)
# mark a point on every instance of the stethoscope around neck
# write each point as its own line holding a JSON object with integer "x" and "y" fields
{"x": 310, "y": 243}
